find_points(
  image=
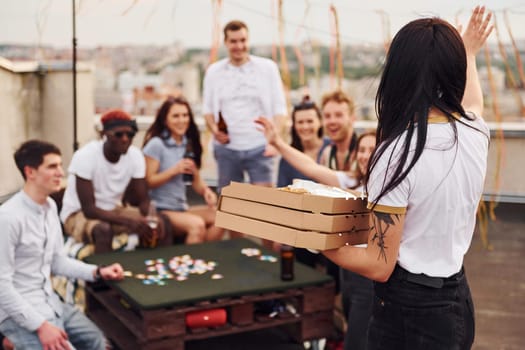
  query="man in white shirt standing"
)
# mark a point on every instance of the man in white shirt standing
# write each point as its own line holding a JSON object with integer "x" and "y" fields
{"x": 31, "y": 314}
{"x": 240, "y": 88}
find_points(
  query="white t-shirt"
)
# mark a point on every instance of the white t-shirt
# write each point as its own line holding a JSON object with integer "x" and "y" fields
{"x": 241, "y": 94}
{"x": 109, "y": 179}
{"x": 439, "y": 197}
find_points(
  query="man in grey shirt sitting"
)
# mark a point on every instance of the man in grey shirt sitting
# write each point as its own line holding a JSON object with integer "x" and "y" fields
{"x": 31, "y": 314}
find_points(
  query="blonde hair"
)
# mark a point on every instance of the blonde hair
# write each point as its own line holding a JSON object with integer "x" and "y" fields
{"x": 339, "y": 97}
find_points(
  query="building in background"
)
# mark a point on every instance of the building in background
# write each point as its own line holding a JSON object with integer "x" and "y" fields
{"x": 36, "y": 96}
{"x": 37, "y": 102}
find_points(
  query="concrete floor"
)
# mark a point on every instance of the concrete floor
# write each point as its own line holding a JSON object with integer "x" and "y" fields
{"x": 497, "y": 281}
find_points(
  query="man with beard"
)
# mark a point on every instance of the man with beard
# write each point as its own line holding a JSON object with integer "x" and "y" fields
{"x": 338, "y": 125}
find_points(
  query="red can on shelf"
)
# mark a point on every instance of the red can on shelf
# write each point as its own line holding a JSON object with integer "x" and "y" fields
{"x": 206, "y": 318}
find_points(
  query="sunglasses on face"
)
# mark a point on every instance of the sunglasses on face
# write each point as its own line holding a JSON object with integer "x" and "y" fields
{"x": 120, "y": 134}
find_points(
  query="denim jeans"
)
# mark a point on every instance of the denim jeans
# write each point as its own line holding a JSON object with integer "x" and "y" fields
{"x": 357, "y": 293}
{"x": 232, "y": 164}
{"x": 82, "y": 333}
{"x": 411, "y": 314}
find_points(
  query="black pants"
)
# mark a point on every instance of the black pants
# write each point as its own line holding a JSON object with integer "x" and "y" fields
{"x": 419, "y": 312}
{"x": 357, "y": 294}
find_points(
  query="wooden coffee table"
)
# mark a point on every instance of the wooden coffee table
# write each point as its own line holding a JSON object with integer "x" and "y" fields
{"x": 138, "y": 316}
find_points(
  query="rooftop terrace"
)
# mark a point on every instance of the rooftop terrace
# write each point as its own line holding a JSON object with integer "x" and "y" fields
{"x": 497, "y": 281}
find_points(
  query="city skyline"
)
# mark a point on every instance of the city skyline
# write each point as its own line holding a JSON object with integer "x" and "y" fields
{"x": 164, "y": 22}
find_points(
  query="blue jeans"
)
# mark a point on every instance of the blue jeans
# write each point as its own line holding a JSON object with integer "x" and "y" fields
{"x": 357, "y": 293}
{"x": 82, "y": 333}
{"x": 232, "y": 164}
{"x": 420, "y": 312}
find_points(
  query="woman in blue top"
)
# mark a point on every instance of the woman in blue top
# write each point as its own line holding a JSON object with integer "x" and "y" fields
{"x": 307, "y": 137}
{"x": 166, "y": 143}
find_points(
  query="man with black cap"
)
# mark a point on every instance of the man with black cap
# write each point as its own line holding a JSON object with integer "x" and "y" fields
{"x": 99, "y": 175}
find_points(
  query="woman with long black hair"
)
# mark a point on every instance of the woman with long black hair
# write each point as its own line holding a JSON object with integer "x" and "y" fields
{"x": 424, "y": 182}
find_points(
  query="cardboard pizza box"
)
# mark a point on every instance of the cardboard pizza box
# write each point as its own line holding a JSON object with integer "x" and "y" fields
{"x": 302, "y": 220}
{"x": 287, "y": 235}
{"x": 295, "y": 218}
{"x": 297, "y": 200}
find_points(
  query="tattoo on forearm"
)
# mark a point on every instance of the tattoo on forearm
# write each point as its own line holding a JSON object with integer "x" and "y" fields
{"x": 382, "y": 223}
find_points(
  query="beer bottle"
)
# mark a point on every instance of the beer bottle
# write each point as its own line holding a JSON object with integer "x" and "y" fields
{"x": 188, "y": 178}
{"x": 287, "y": 258}
{"x": 221, "y": 125}
{"x": 153, "y": 223}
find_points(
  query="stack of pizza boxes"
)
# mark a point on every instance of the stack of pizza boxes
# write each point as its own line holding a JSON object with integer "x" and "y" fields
{"x": 306, "y": 214}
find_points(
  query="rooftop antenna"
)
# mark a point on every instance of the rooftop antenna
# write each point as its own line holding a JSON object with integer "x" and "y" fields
{"x": 75, "y": 139}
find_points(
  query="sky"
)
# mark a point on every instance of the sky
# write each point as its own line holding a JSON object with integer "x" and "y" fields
{"x": 190, "y": 22}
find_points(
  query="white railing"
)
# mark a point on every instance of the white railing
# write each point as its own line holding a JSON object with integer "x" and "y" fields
{"x": 513, "y": 132}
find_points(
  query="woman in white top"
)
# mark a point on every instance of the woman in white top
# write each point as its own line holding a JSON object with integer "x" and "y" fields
{"x": 424, "y": 183}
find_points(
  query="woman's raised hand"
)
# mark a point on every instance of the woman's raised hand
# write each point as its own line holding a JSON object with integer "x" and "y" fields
{"x": 477, "y": 30}
{"x": 268, "y": 128}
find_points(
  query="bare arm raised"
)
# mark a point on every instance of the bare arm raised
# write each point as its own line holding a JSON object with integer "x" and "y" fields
{"x": 474, "y": 37}
{"x": 296, "y": 158}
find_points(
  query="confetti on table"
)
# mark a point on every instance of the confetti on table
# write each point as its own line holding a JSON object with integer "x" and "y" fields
{"x": 268, "y": 258}
{"x": 177, "y": 268}
{"x": 254, "y": 252}
{"x": 250, "y": 251}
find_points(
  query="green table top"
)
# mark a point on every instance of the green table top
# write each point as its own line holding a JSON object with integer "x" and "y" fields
{"x": 241, "y": 274}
